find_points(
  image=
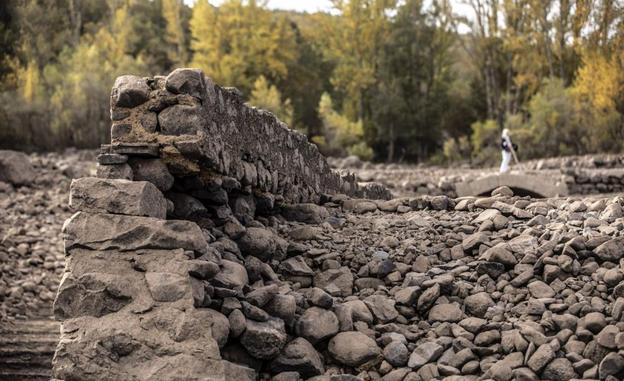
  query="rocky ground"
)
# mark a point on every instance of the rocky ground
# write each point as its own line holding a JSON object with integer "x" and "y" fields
{"x": 412, "y": 289}
{"x": 495, "y": 288}
{"x": 31, "y": 215}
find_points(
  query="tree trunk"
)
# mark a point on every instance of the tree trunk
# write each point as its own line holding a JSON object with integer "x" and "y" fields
{"x": 391, "y": 144}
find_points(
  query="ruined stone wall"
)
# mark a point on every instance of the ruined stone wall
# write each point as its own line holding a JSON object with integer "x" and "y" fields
{"x": 594, "y": 181}
{"x": 173, "y": 248}
{"x": 201, "y": 129}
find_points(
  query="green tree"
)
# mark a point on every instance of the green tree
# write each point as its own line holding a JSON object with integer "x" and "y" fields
{"x": 268, "y": 97}
{"x": 240, "y": 41}
{"x": 173, "y": 13}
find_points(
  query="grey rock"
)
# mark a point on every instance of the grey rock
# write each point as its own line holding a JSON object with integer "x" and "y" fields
{"x": 152, "y": 170}
{"x": 166, "y": 287}
{"x": 478, "y": 304}
{"x": 542, "y": 356}
{"x": 92, "y": 294}
{"x": 186, "y": 81}
{"x": 382, "y": 308}
{"x": 611, "y": 365}
{"x": 424, "y": 353}
{"x": 396, "y": 353}
{"x": 130, "y": 91}
{"x": 559, "y": 369}
{"x": 135, "y": 198}
{"x": 354, "y": 349}
{"x": 264, "y": 340}
{"x": 181, "y": 120}
{"x": 446, "y": 312}
{"x": 300, "y": 356}
{"x": 15, "y": 168}
{"x": 306, "y": 213}
{"x": 232, "y": 275}
{"x": 261, "y": 243}
{"x": 317, "y": 324}
{"x": 118, "y": 171}
{"x": 611, "y": 250}
{"x": 337, "y": 282}
{"x": 112, "y": 231}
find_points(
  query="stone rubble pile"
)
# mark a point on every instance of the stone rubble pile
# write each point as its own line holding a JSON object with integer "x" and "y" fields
{"x": 33, "y": 206}
{"x": 182, "y": 267}
{"x": 427, "y": 288}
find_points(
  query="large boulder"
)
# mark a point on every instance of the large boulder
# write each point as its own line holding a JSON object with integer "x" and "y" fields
{"x": 129, "y": 91}
{"x": 354, "y": 349}
{"x": 307, "y": 213}
{"x": 261, "y": 243}
{"x": 317, "y": 324}
{"x": 264, "y": 340}
{"x": 299, "y": 356}
{"x": 15, "y": 168}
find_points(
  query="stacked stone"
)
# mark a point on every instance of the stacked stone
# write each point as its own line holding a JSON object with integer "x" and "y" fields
{"x": 130, "y": 298}
{"x": 594, "y": 181}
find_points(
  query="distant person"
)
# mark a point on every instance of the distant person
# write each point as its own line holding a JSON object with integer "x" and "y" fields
{"x": 507, "y": 146}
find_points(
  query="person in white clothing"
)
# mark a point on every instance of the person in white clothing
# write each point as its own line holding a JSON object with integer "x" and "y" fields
{"x": 506, "y": 147}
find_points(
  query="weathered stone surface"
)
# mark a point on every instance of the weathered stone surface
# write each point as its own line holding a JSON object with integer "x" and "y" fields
{"x": 264, "y": 340}
{"x": 232, "y": 275}
{"x": 129, "y": 91}
{"x": 300, "y": 356}
{"x": 186, "y": 81}
{"x": 307, "y": 213}
{"x": 317, "y": 324}
{"x": 337, "y": 282}
{"x": 15, "y": 168}
{"x": 135, "y": 198}
{"x": 424, "y": 353}
{"x": 91, "y": 294}
{"x": 166, "y": 287}
{"x": 354, "y": 349}
{"x": 111, "y": 231}
{"x": 181, "y": 120}
{"x": 261, "y": 243}
{"x": 152, "y": 170}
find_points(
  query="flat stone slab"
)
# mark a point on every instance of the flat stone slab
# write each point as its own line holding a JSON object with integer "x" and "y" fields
{"x": 127, "y": 233}
{"x": 134, "y": 198}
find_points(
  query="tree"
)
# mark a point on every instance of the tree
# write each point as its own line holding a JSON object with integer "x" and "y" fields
{"x": 341, "y": 135}
{"x": 354, "y": 42}
{"x": 240, "y": 41}
{"x": 176, "y": 32}
{"x": 598, "y": 88}
{"x": 268, "y": 97}
{"x": 412, "y": 81}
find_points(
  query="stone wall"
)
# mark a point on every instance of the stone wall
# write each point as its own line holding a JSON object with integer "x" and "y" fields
{"x": 594, "y": 181}
{"x": 202, "y": 130}
{"x": 590, "y": 174}
{"x": 173, "y": 250}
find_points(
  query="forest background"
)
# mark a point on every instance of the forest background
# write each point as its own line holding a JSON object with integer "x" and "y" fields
{"x": 386, "y": 80}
